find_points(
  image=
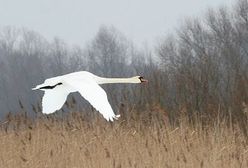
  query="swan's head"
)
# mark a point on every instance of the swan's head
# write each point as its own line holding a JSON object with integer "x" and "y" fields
{"x": 139, "y": 79}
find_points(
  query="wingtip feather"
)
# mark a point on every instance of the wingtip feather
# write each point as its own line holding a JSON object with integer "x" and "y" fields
{"x": 111, "y": 118}
{"x": 117, "y": 116}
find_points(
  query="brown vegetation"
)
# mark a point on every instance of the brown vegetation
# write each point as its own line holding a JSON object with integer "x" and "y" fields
{"x": 136, "y": 140}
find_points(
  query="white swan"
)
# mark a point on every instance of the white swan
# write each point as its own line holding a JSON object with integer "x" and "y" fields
{"x": 87, "y": 84}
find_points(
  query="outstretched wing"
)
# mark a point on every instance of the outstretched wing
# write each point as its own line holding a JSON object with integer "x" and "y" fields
{"x": 96, "y": 96}
{"x": 54, "y": 99}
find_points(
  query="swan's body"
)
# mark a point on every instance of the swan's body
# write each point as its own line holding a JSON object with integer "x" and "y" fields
{"x": 87, "y": 84}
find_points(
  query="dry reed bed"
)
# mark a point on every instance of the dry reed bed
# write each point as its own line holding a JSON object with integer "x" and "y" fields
{"x": 75, "y": 142}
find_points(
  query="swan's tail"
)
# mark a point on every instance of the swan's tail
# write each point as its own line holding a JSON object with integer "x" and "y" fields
{"x": 39, "y": 86}
{"x": 35, "y": 88}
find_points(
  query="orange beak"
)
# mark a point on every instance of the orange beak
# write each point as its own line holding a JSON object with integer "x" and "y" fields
{"x": 143, "y": 80}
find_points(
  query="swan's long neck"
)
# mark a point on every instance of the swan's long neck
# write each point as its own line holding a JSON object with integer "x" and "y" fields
{"x": 101, "y": 80}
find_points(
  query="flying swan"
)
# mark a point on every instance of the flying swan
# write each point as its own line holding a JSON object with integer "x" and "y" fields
{"x": 87, "y": 84}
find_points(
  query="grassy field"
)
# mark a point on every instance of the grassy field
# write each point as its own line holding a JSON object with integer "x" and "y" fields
{"x": 75, "y": 142}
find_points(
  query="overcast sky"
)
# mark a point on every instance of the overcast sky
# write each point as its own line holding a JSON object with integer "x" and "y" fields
{"x": 77, "y": 21}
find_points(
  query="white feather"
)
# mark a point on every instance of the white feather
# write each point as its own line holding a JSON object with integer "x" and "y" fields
{"x": 57, "y": 89}
{"x": 96, "y": 96}
{"x": 54, "y": 99}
